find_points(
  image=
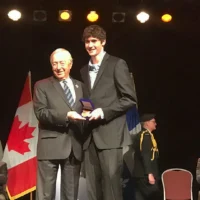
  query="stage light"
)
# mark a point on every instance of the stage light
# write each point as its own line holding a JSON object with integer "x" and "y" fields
{"x": 166, "y": 18}
{"x": 65, "y": 15}
{"x": 118, "y": 17}
{"x": 14, "y": 15}
{"x": 39, "y": 15}
{"x": 92, "y": 16}
{"x": 142, "y": 17}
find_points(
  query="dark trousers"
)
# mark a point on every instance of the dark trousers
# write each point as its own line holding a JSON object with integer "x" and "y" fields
{"x": 103, "y": 170}
{"x": 145, "y": 191}
{"x": 47, "y": 175}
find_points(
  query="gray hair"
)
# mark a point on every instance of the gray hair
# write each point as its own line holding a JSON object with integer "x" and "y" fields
{"x": 68, "y": 55}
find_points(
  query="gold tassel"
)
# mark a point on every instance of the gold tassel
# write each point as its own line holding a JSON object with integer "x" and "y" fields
{"x": 141, "y": 138}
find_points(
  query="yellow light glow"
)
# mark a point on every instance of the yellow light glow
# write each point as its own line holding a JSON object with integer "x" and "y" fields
{"x": 166, "y": 18}
{"x": 64, "y": 15}
{"x": 92, "y": 16}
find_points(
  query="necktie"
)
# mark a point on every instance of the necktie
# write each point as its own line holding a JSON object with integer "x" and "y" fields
{"x": 68, "y": 94}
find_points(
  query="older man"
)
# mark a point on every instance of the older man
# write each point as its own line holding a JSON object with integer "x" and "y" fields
{"x": 57, "y": 107}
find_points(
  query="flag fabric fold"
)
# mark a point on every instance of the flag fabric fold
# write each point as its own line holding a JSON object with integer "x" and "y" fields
{"x": 20, "y": 150}
{"x": 134, "y": 126}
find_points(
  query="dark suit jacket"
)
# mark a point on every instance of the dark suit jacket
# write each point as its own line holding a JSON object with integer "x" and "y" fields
{"x": 3, "y": 173}
{"x": 113, "y": 91}
{"x": 143, "y": 165}
{"x": 57, "y": 136}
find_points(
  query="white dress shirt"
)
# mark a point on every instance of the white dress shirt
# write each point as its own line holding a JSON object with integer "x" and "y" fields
{"x": 93, "y": 74}
{"x": 71, "y": 87}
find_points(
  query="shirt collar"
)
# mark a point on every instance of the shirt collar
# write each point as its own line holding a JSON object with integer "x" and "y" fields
{"x": 148, "y": 130}
{"x": 101, "y": 55}
{"x": 67, "y": 80}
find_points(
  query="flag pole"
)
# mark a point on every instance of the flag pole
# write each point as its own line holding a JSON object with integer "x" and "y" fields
{"x": 31, "y": 196}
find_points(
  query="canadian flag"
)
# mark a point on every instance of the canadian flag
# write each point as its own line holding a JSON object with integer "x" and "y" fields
{"x": 20, "y": 150}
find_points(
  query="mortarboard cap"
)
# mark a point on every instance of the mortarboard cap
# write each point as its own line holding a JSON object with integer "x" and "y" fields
{"x": 147, "y": 117}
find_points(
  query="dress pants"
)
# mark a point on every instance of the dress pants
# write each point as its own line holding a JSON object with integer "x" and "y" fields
{"x": 47, "y": 175}
{"x": 103, "y": 171}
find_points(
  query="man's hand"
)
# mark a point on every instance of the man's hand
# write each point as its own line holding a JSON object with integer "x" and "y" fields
{"x": 73, "y": 115}
{"x": 96, "y": 114}
{"x": 151, "y": 179}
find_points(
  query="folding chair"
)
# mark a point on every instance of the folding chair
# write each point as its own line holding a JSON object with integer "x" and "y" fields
{"x": 177, "y": 184}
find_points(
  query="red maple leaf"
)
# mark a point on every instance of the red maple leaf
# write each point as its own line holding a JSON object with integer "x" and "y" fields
{"x": 18, "y": 135}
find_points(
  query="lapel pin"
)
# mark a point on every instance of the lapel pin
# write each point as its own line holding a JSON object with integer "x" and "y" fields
{"x": 76, "y": 86}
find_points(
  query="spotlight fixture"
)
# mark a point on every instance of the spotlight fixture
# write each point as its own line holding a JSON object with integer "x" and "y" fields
{"x": 118, "y": 17}
{"x": 14, "y": 15}
{"x": 166, "y": 18}
{"x": 65, "y": 15}
{"x": 39, "y": 15}
{"x": 142, "y": 17}
{"x": 92, "y": 16}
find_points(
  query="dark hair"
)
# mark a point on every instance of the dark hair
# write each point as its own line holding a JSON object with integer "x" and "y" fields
{"x": 94, "y": 31}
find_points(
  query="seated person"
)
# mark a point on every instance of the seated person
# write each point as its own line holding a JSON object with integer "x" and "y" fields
{"x": 198, "y": 175}
{"x": 1, "y": 151}
{"x": 3, "y": 176}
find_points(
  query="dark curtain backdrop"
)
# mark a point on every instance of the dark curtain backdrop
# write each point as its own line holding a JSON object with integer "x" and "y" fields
{"x": 164, "y": 60}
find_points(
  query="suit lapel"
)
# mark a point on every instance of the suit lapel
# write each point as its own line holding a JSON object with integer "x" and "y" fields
{"x": 101, "y": 69}
{"x": 86, "y": 77}
{"x": 59, "y": 89}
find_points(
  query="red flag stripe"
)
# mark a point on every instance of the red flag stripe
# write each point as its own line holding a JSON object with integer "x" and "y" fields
{"x": 23, "y": 179}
